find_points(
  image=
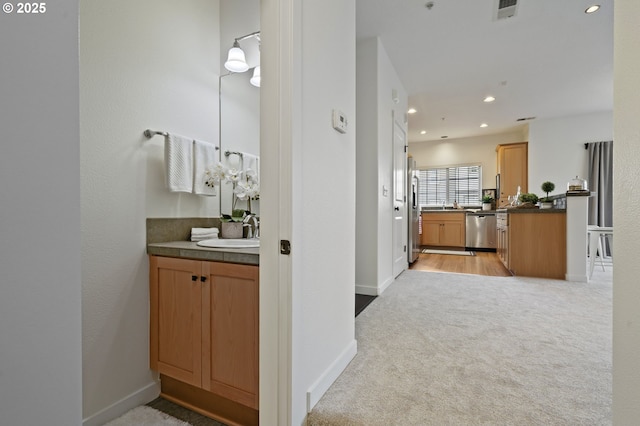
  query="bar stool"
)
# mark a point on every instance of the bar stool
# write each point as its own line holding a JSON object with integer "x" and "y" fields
{"x": 598, "y": 236}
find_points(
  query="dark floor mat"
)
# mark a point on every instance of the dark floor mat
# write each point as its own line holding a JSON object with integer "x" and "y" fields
{"x": 362, "y": 301}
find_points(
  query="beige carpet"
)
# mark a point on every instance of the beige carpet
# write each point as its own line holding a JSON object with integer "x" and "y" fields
{"x": 453, "y": 349}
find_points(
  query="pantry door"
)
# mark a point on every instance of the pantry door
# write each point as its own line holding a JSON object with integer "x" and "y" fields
{"x": 399, "y": 230}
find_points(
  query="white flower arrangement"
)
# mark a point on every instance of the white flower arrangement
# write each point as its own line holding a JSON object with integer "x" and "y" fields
{"x": 246, "y": 185}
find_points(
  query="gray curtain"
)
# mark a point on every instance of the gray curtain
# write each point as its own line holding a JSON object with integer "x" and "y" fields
{"x": 600, "y": 181}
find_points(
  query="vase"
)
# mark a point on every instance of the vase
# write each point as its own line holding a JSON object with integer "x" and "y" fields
{"x": 231, "y": 230}
{"x": 487, "y": 206}
{"x": 546, "y": 205}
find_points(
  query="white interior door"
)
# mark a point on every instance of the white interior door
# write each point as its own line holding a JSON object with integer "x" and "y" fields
{"x": 399, "y": 232}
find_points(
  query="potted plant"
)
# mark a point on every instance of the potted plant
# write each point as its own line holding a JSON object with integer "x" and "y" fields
{"x": 487, "y": 202}
{"x": 246, "y": 187}
{"x": 528, "y": 198}
{"x": 546, "y": 202}
{"x": 231, "y": 225}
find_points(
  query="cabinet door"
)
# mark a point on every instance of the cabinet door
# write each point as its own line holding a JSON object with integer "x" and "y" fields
{"x": 430, "y": 233}
{"x": 512, "y": 166}
{"x": 176, "y": 324}
{"x": 230, "y": 331}
{"x": 452, "y": 234}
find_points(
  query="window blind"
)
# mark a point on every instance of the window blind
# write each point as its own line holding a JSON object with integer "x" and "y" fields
{"x": 459, "y": 183}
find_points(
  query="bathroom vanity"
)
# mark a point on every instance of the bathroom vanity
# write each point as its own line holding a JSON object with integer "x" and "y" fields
{"x": 204, "y": 322}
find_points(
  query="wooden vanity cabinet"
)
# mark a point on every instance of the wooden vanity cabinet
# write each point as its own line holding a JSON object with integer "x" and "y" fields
{"x": 204, "y": 332}
{"x": 512, "y": 168}
{"x": 443, "y": 229}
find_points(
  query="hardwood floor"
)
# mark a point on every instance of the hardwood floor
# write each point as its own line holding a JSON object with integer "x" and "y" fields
{"x": 483, "y": 263}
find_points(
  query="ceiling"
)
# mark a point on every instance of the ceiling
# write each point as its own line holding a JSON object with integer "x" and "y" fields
{"x": 549, "y": 60}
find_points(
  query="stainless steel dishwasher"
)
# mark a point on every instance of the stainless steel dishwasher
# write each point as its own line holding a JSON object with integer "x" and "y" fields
{"x": 481, "y": 230}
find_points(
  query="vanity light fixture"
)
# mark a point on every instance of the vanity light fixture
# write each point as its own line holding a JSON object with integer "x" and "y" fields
{"x": 593, "y": 8}
{"x": 412, "y": 111}
{"x": 489, "y": 99}
{"x": 255, "y": 79}
{"x": 236, "y": 61}
{"x": 483, "y": 125}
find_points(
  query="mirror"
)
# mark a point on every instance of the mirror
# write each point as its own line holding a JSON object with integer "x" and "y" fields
{"x": 239, "y": 131}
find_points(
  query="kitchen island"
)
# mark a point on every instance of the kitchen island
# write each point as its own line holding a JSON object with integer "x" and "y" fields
{"x": 533, "y": 242}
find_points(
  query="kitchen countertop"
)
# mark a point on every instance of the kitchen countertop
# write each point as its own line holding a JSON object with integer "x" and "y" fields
{"x": 190, "y": 250}
{"x": 515, "y": 210}
{"x": 451, "y": 211}
{"x": 472, "y": 211}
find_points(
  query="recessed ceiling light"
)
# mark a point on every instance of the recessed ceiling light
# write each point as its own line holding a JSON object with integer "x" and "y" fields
{"x": 592, "y": 9}
{"x": 489, "y": 99}
{"x": 423, "y": 132}
{"x": 484, "y": 125}
{"x": 412, "y": 111}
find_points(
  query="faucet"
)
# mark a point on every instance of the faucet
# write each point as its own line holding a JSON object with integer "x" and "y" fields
{"x": 256, "y": 225}
{"x": 443, "y": 204}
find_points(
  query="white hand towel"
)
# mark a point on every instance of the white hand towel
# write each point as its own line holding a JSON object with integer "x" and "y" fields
{"x": 200, "y": 234}
{"x": 178, "y": 160}
{"x": 204, "y": 156}
{"x": 206, "y": 231}
{"x": 204, "y": 237}
{"x": 251, "y": 162}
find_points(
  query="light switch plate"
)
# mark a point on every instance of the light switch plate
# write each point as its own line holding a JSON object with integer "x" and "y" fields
{"x": 339, "y": 121}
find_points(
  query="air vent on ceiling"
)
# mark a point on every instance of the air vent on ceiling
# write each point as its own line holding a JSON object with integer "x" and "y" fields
{"x": 505, "y": 9}
{"x": 525, "y": 118}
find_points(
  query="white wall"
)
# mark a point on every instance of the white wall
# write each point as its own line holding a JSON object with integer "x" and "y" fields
{"x": 367, "y": 167}
{"x": 376, "y": 81}
{"x": 626, "y": 157}
{"x": 143, "y": 64}
{"x": 556, "y": 148}
{"x": 388, "y": 112}
{"x": 323, "y": 173}
{"x": 480, "y": 149}
{"x": 40, "y": 320}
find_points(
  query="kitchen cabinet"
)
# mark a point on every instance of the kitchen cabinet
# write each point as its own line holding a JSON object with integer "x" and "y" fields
{"x": 443, "y": 229}
{"x": 502, "y": 238}
{"x": 513, "y": 170}
{"x": 204, "y": 335}
{"x": 533, "y": 244}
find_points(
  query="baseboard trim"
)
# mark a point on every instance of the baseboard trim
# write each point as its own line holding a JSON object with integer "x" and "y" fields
{"x": 330, "y": 375}
{"x": 366, "y": 290}
{"x": 578, "y": 278}
{"x": 373, "y": 291}
{"x": 385, "y": 284}
{"x": 118, "y": 408}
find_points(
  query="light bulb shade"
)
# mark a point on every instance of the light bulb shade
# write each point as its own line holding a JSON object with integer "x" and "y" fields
{"x": 236, "y": 61}
{"x": 255, "y": 79}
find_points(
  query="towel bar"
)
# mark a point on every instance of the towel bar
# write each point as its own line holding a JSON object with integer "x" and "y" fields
{"x": 151, "y": 133}
{"x": 228, "y": 153}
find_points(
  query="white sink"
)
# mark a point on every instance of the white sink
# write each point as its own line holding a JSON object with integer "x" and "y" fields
{"x": 230, "y": 243}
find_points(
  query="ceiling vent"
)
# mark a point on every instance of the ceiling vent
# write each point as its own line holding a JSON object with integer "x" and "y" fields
{"x": 505, "y": 9}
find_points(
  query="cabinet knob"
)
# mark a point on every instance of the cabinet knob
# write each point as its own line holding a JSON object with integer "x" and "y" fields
{"x": 194, "y": 277}
{"x": 203, "y": 278}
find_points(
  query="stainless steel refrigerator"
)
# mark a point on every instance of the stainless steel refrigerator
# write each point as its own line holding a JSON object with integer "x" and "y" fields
{"x": 414, "y": 211}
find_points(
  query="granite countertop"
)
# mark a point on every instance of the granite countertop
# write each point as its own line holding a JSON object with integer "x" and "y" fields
{"x": 515, "y": 210}
{"x": 171, "y": 237}
{"x": 465, "y": 211}
{"x": 190, "y": 250}
{"x": 445, "y": 211}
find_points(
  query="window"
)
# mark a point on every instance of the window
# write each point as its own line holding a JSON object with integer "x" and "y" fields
{"x": 461, "y": 183}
